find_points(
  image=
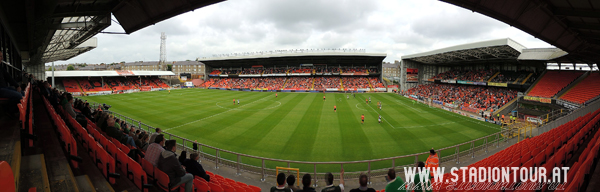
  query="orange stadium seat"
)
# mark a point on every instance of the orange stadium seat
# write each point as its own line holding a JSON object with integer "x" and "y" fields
{"x": 552, "y": 82}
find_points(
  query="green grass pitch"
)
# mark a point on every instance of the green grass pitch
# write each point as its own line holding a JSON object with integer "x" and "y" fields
{"x": 301, "y": 126}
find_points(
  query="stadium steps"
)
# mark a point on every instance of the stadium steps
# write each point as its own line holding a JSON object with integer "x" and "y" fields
{"x": 526, "y": 78}
{"x": 285, "y": 84}
{"x": 56, "y": 170}
{"x": 505, "y": 107}
{"x": 341, "y": 83}
{"x": 493, "y": 76}
{"x": 516, "y": 81}
{"x": 34, "y": 173}
{"x": 594, "y": 184}
{"x": 79, "y": 86}
{"x": 571, "y": 85}
{"x": 313, "y": 84}
{"x": 10, "y": 144}
{"x": 371, "y": 86}
{"x": 536, "y": 82}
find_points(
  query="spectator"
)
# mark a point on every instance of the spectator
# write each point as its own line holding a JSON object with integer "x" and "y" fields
{"x": 363, "y": 180}
{"x": 113, "y": 132}
{"x": 86, "y": 110}
{"x": 182, "y": 156}
{"x": 417, "y": 185}
{"x": 192, "y": 166}
{"x": 329, "y": 181}
{"x": 153, "y": 136}
{"x": 280, "y": 184}
{"x": 9, "y": 88}
{"x": 144, "y": 141}
{"x": 138, "y": 141}
{"x": 306, "y": 183}
{"x": 168, "y": 163}
{"x": 290, "y": 181}
{"x": 432, "y": 161}
{"x": 395, "y": 184}
{"x": 155, "y": 149}
{"x": 68, "y": 106}
{"x": 195, "y": 145}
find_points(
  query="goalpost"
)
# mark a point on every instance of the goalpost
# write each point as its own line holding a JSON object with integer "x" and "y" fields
{"x": 290, "y": 169}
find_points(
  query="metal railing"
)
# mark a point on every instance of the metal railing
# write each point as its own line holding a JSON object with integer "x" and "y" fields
{"x": 374, "y": 167}
{"x": 591, "y": 107}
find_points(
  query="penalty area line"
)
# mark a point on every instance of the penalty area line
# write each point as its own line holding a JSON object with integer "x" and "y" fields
{"x": 214, "y": 114}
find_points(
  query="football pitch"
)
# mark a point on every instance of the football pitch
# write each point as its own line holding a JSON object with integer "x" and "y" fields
{"x": 301, "y": 126}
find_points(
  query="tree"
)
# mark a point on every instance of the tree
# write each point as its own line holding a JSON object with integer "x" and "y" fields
{"x": 169, "y": 67}
{"x": 70, "y": 68}
{"x": 50, "y": 69}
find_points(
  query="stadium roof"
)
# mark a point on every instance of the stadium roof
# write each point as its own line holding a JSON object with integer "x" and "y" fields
{"x": 107, "y": 73}
{"x": 479, "y": 51}
{"x": 542, "y": 54}
{"x": 331, "y": 58}
{"x": 573, "y": 26}
{"x": 51, "y": 30}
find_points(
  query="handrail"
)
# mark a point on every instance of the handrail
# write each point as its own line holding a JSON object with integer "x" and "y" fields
{"x": 454, "y": 157}
{"x": 10, "y": 65}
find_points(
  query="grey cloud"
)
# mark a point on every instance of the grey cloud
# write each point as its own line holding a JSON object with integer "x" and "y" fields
{"x": 456, "y": 25}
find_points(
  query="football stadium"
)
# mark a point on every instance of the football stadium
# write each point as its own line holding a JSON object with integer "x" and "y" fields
{"x": 494, "y": 114}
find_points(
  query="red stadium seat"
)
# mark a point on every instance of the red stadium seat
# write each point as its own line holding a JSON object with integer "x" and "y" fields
{"x": 200, "y": 186}
{"x": 215, "y": 187}
{"x": 148, "y": 167}
{"x": 162, "y": 180}
{"x": 139, "y": 177}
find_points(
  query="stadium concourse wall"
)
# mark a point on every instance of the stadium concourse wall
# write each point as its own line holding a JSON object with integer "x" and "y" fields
{"x": 453, "y": 155}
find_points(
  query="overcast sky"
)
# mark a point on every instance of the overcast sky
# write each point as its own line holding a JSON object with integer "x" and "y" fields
{"x": 379, "y": 26}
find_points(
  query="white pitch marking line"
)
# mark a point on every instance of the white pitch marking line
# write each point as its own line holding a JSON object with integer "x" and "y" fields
{"x": 359, "y": 107}
{"x": 279, "y": 104}
{"x": 214, "y": 115}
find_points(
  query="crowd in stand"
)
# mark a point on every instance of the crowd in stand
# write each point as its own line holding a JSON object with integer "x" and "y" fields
{"x": 511, "y": 76}
{"x": 354, "y": 70}
{"x": 326, "y": 82}
{"x": 252, "y": 71}
{"x": 272, "y": 83}
{"x": 152, "y": 147}
{"x": 299, "y": 70}
{"x": 116, "y": 83}
{"x": 466, "y": 75}
{"x": 299, "y": 83}
{"x": 353, "y": 83}
{"x": 320, "y": 69}
{"x": 476, "y": 97}
{"x": 376, "y": 82}
{"x": 485, "y": 75}
{"x": 274, "y": 70}
{"x": 280, "y": 70}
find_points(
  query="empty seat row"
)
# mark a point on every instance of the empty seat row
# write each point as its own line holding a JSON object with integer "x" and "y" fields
{"x": 26, "y": 114}
{"x": 554, "y": 148}
{"x": 552, "y": 82}
{"x": 584, "y": 90}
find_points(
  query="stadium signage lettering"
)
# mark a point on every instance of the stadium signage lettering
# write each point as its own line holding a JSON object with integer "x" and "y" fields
{"x": 465, "y": 82}
{"x": 498, "y": 84}
{"x": 480, "y": 83}
{"x": 538, "y": 99}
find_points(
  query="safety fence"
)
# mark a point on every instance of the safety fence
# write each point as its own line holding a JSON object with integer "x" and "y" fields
{"x": 373, "y": 168}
